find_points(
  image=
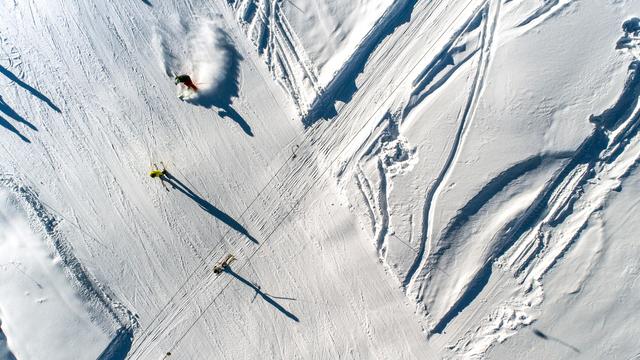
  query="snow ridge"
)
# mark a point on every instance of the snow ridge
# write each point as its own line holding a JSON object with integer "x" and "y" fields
{"x": 553, "y": 223}
{"x": 544, "y": 224}
{"x": 110, "y": 310}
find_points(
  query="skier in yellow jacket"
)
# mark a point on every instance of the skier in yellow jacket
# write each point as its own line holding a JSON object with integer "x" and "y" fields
{"x": 160, "y": 174}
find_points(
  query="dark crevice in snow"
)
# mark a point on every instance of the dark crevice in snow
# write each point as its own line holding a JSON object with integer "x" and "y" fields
{"x": 491, "y": 189}
{"x": 383, "y": 205}
{"x": 480, "y": 280}
{"x": 625, "y": 104}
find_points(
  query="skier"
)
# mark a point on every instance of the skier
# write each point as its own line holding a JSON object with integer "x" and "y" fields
{"x": 186, "y": 80}
{"x": 223, "y": 263}
{"x": 160, "y": 174}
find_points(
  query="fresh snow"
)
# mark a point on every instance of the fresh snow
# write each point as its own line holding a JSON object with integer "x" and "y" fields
{"x": 397, "y": 179}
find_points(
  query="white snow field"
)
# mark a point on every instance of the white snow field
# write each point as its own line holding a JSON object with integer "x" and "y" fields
{"x": 397, "y": 179}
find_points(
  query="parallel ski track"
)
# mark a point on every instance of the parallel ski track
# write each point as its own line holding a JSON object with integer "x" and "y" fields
{"x": 466, "y": 118}
{"x": 591, "y": 160}
{"x": 307, "y": 141}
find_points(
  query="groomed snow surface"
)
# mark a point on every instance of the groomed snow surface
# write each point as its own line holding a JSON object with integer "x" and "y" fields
{"x": 397, "y": 179}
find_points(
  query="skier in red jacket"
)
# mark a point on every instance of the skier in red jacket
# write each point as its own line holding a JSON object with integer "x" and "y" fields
{"x": 186, "y": 80}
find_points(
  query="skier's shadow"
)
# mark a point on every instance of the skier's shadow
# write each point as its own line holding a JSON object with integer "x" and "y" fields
{"x": 268, "y": 298}
{"x": 544, "y": 336}
{"x": 8, "y": 111}
{"x": 225, "y": 110}
{"x": 229, "y": 86}
{"x": 29, "y": 88}
{"x": 207, "y": 206}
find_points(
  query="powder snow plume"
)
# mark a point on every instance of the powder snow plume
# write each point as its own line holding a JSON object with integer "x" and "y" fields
{"x": 204, "y": 52}
{"x": 210, "y": 60}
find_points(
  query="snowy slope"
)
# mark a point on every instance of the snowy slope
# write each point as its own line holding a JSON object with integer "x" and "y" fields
{"x": 34, "y": 287}
{"x": 461, "y": 192}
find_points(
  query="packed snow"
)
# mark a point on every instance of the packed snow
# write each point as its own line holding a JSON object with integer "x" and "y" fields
{"x": 40, "y": 308}
{"x": 396, "y": 179}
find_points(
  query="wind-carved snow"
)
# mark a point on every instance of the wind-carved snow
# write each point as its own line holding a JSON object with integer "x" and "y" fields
{"x": 570, "y": 201}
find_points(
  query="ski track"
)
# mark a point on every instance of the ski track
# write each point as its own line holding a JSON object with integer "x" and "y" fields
{"x": 266, "y": 26}
{"x": 109, "y": 309}
{"x": 466, "y": 117}
{"x": 522, "y": 249}
{"x": 115, "y": 191}
{"x": 547, "y": 9}
{"x": 289, "y": 186}
{"x": 541, "y": 236}
{"x": 426, "y": 85}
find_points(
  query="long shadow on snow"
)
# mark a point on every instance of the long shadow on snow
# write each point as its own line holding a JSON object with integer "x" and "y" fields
{"x": 29, "y": 88}
{"x": 491, "y": 189}
{"x": 587, "y": 153}
{"x": 5, "y": 353}
{"x": 343, "y": 86}
{"x": 208, "y": 207}
{"x": 626, "y": 103}
{"x": 119, "y": 346}
{"x": 544, "y": 336}
{"x": 263, "y": 295}
{"x": 7, "y": 110}
{"x": 229, "y": 86}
